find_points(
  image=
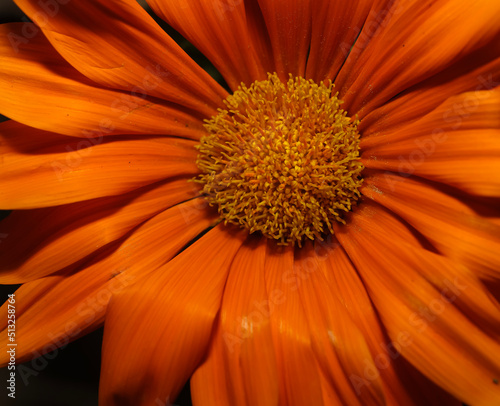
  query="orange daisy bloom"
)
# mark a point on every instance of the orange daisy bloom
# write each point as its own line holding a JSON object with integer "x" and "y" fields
{"x": 326, "y": 232}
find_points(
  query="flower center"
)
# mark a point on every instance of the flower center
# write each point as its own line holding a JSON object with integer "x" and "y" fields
{"x": 283, "y": 159}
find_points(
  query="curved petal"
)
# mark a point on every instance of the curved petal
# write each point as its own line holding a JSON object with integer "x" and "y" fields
{"x": 472, "y": 300}
{"x": 66, "y": 234}
{"x": 209, "y": 383}
{"x": 256, "y": 26}
{"x": 246, "y": 334}
{"x": 299, "y": 371}
{"x": 441, "y": 341}
{"x": 117, "y": 44}
{"x": 169, "y": 316}
{"x": 477, "y": 110}
{"x": 402, "y": 384}
{"x": 218, "y": 29}
{"x": 288, "y": 23}
{"x": 449, "y": 224}
{"x": 446, "y": 145}
{"x": 335, "y": 27}
{"x": 242, "y": 352}
{"x": 58, "y": 309}
{"x": 40, "y": 89}
{"x": 476, "y": 73}
{"x": 330, "y": 396}
{"x": 75, "y": 169}
{"x": 411, "y": 42}
{"x": 339, "y": 346}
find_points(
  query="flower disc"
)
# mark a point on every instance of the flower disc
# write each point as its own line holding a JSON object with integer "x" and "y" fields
{"x": 282, "y": 159}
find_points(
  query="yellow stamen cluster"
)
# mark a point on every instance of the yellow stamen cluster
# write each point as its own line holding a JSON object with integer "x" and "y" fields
{"x": 283, "y": 159}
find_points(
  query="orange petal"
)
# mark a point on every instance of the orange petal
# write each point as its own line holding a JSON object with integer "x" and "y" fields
{"x": 335, "y": 27}
{"x": 475, "y": 110}
{"x": 446, "y": 145}
{"x": 219, "y": 30}
{"x": 55, "y": 310}
{"x": 209, "y": 383}
{"x": 476, "y": 73}
{"x": 299, "y": 371}
{"x": 453, "y": 228}
{"x": 74, "y": 169}
{"x": 66, "y": 234}
{"x": 439, "y": 340}
{"x": 40, "y": 89}
{"x": 378, "y": 17}
{"x": 169, "y": 316}
{"x": 241, "y": 365}
{"x": 119, "y": 45}
{"x": 288, "y": 23}
{"x": 330, "y": 396}
{"x": 411, "y": 42}
{"x": 245, "y": 332}
{"x": 256, "y": 26}
{"x": 402, "y": 384}
{"x": 473, "y": 300}
{"x": 340, "y": 347}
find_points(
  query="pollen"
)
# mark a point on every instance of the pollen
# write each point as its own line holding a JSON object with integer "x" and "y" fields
{"x": 282, "y": 159}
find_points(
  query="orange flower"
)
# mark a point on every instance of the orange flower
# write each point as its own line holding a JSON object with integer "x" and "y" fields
{"x": 371, "y": 273}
